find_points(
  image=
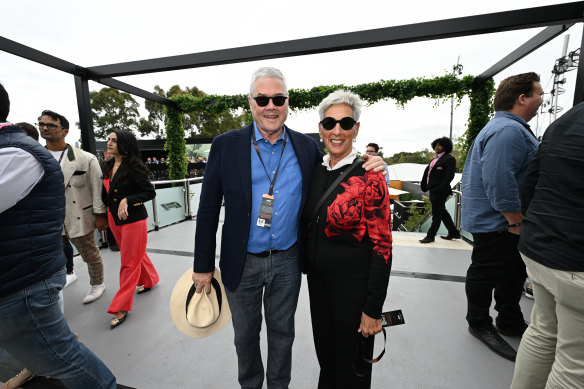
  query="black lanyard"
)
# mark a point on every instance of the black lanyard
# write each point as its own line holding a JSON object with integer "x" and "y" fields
{"x": 61, "y": 157}
{"x": 257, "y": 149}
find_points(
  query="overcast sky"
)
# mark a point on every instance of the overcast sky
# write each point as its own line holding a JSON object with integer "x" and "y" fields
{"x": 90, "y": 33}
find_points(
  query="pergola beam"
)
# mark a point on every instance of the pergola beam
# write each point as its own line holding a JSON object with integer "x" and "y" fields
{"x": 528, "y": 47}
{"x": 441, "y": 29}
{"x": 42, "y": 58}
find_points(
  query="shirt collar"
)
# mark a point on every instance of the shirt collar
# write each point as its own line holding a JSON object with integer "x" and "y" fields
{"x": 343, "y": 162}
{"x": 507, "y": 114}
{"x": 439, "y": 155}
{"x": 259, "y": 135}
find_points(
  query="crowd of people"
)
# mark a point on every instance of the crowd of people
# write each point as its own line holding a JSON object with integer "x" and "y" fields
{"x": 289, "y": 210}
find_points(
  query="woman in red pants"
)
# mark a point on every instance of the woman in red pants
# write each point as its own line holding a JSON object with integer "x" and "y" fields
{"x": 126, "y": 188}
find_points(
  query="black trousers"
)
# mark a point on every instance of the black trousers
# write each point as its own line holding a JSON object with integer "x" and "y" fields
{"x": 440, "y": 214}
{"x": 336, "y": 303}
{"x": 68, "y": 250}
{"x": 496, "y": 266}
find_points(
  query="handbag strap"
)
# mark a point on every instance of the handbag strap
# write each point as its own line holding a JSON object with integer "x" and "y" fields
{"x": 332, "y": 187}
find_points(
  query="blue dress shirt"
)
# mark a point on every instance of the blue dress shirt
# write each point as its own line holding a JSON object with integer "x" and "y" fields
{"x": 493, "y": 171}
{"x": 287, "y": 194}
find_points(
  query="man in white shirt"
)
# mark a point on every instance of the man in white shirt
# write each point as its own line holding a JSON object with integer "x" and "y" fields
{"x": 85, "y": 210}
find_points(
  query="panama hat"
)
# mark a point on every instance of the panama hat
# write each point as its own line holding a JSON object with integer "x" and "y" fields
{"x": 199, "y": 314}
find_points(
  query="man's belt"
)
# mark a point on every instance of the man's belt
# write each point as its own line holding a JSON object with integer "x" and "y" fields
{"x": 270, "y": 252}
{"x": 266, "y": 253}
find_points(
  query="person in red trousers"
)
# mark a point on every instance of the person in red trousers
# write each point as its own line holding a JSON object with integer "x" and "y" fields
{"x": 126, "y": 189}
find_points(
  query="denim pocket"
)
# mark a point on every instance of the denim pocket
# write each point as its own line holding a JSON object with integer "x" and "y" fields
{"x": 55, "y": 283}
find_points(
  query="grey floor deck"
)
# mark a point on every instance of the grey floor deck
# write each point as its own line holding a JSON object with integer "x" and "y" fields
{"x": 432, "y": 350}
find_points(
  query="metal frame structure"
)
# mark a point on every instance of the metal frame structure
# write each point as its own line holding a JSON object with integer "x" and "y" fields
{"x": 558, "y": 18}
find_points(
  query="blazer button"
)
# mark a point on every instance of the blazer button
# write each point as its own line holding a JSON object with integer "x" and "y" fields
{"x": 115, "y": 190}
{"x": 115, "y": 200}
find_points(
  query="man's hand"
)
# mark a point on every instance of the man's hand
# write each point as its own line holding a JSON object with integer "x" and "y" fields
{"x": 374, "y": 162}
{"x": 203, "y": 280}
{"x": 101, "y": 222}
{"x": 369, "y": 326}
{"x": 513, "y": 218}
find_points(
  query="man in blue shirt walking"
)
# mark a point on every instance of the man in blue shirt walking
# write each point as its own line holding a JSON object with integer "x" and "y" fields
{"x": 491, "y": 211}
{"x": 262, "y": 171}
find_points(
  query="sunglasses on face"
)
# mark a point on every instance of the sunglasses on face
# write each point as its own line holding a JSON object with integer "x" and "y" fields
{"x": 262, "y": 101}
{"x": 346, "y": 123}
{"x": 50, "y": 126}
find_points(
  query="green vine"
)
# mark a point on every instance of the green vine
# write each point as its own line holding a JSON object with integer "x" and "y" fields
{"x": 175, "y": 144}
{"x": 402, "y": 91}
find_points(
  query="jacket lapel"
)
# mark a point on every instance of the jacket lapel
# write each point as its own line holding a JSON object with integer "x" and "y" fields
{"x": 243, "y": 155}
{"x": 68, "y": 165}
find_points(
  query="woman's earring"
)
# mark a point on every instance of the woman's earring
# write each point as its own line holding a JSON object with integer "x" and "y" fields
{"x": 354, "y": 140}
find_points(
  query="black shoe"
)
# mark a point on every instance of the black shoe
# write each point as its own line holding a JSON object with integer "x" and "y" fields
{"x": 513, "y": 331}
{"x": 450, "y": 236}
{"x": 114, "y": 248}
{"x": 490, "y": 337}
{"x": 427, "y": 239}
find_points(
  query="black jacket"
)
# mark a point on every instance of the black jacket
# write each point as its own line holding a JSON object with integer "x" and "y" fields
{"x": 441, "y": 175}
{"x": 135, "y": 189}
{"x": 551, "y": 196}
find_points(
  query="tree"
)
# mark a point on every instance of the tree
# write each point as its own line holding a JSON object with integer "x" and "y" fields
{"x": 423, "y": 157}
{"x": 112, "y": 109}
{"x": 195, "y": 123}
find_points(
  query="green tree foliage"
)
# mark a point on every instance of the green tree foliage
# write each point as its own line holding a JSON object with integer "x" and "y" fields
{"x": 195, "y": 123}
{"x": 424, "y": 157}
{"x": 111, "y": 109}
{"x": 175, "y": 144}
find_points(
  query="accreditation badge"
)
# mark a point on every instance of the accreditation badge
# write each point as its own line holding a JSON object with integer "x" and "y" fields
{"x": 266, "y": 210}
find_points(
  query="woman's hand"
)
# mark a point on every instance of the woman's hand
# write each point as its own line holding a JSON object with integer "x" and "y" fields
{"x": 369, "y": 326}
{"x": 123, "y": 209}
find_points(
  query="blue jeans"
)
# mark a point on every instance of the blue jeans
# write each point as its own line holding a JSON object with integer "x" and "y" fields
{"x": 277, "y": 278}
{"x": 34, "y": 331}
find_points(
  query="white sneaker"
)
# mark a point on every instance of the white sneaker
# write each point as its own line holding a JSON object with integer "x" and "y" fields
{"x": 71, "y": 278}
{"x": 94, "y": 293}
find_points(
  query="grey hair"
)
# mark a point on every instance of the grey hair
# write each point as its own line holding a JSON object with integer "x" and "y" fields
{"x": 267, "y": 72}
{"x": 342, "y": 96}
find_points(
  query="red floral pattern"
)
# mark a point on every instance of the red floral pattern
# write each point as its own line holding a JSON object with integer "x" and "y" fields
{"x": 363, "y": 207}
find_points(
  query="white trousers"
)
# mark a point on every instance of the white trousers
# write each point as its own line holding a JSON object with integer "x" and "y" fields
{"x": 551, "y": 353}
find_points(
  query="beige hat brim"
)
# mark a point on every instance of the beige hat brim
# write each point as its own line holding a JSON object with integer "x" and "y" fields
{"x": 178, "y": 301}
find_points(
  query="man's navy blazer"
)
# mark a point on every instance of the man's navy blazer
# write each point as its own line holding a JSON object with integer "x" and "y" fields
{"x": 228, "y": 175}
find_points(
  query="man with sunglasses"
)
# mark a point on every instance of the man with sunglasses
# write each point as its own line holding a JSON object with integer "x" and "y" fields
{"x": 85, "y": 210}
{"x": 262, "y": 172}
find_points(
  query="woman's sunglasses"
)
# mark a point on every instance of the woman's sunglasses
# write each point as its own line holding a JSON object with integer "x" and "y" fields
{"x": 346, "y": 123}
{"x": 262, "y": 101}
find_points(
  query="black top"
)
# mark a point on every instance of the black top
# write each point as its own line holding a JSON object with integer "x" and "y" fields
{"x": 552, "y": 196}
{"x": 137, "y": 190}
{"x": 352, "y": 232}
{"x": 441, "y": 175}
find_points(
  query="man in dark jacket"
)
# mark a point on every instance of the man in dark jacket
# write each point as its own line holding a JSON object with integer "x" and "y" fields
{"x": 551, "y": 245}
{"x": 32, "y": 267}
{"x": 436, "y": 179}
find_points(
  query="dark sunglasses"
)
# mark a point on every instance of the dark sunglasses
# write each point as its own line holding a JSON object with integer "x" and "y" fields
{"x": 346, "y": 123}
{"x": 50, "y": 126}
{"x": 262, "y": 101}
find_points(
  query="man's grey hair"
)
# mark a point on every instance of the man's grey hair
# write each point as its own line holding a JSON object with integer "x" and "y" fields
{"x": 342, "y": 96}
{"x": 267, "y": 72}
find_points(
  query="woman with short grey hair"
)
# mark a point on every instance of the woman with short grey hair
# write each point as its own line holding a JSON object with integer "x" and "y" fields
{"x": 346, "y": 221}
